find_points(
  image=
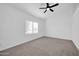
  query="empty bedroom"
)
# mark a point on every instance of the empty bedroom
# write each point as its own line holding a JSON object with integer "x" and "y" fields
{"x": 39, "y": 29}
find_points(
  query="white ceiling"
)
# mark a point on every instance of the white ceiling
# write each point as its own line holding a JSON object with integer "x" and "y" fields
{"x": 33, "y": 9}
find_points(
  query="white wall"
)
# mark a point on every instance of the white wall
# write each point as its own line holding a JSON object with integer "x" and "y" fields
{"x": 59, "y": 25}
{"x": 75, "y": 30}
{"x": 12, "y": 26}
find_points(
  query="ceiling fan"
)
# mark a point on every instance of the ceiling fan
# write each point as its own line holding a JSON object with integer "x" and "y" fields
{"x": 48, "y": 7}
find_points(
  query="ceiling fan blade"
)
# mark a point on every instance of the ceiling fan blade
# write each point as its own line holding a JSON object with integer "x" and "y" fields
{"x": 45, "y": 10}
{"x": 54, "y": 5}
{"x": 51, "y": 10}
{"x": 42, "y": 8}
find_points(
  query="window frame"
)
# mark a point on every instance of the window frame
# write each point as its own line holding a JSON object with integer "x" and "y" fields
{"x": 33, "y": 27}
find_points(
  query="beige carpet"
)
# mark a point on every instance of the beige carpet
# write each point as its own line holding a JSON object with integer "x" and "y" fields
{"x": 44, "y": 46}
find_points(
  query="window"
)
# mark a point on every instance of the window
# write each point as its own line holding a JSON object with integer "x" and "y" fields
{"x": 31, "y": 27}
